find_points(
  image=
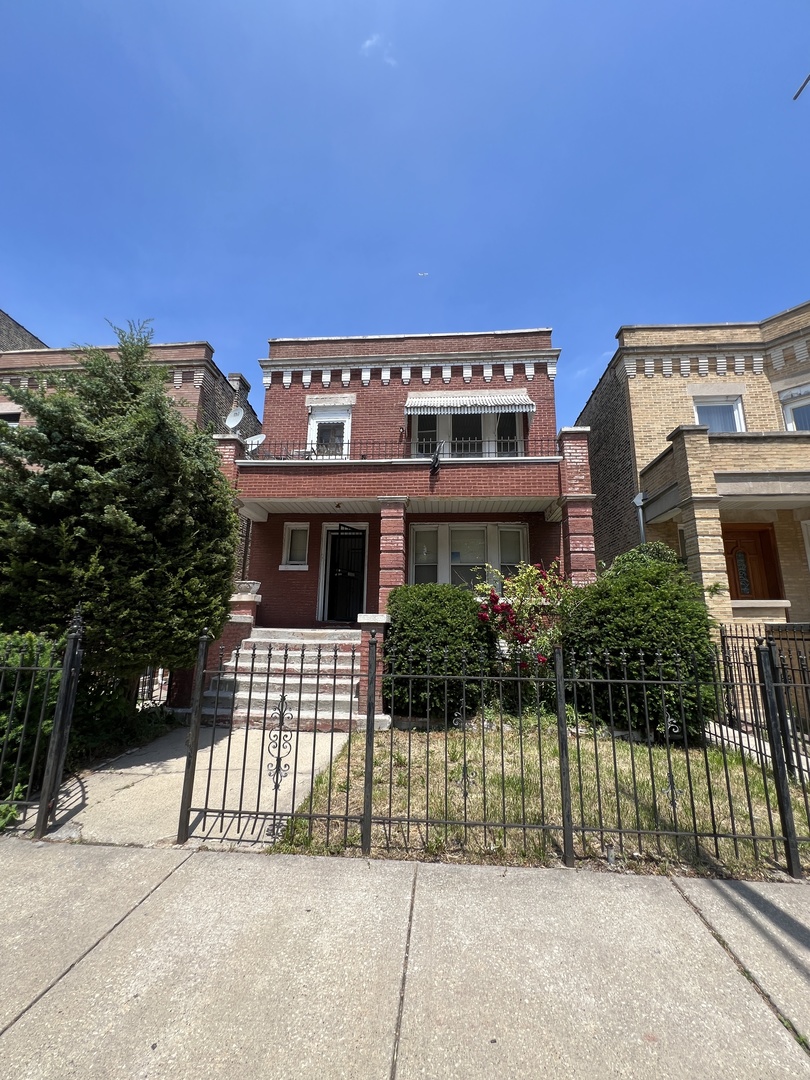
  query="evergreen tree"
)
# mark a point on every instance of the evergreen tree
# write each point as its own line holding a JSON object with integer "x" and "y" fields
{"x": 114, "y": 502}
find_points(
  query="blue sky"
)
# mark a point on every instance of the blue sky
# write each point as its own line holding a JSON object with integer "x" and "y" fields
{"x": 244, "y": 169}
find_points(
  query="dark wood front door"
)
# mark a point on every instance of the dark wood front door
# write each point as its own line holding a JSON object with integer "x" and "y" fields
{"x": 751, "y": 562}
{"x": 345, "y": 576}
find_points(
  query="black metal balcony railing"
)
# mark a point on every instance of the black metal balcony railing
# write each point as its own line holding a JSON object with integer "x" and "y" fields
{"x": 402, "y": 448}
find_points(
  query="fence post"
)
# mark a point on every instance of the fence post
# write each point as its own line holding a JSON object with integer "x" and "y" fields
{"x": 781, "y": 706}
{"x": 765, "y": 663}
{"x": 368, "y": 780}
{"x": 565, "y": 768}
{"x": 62, "y": 717}
{"x": 193, "y": 739}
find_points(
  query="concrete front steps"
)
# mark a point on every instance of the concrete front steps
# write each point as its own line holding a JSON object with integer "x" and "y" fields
{"x": 317, "y": 672}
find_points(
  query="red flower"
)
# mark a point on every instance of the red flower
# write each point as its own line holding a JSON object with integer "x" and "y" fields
{"x": 542, "y": 659}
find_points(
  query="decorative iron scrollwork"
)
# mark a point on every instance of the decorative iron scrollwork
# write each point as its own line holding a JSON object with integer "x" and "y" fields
{"x": 279, "y": 743}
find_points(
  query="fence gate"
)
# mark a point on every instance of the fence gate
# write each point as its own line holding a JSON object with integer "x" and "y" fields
{"x": 37, "y": 696}
{"x": 656, "y": 761}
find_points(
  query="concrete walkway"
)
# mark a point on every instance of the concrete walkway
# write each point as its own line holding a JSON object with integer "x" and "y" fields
{"x": 135, "y": 798}
{"x": 164, "y": 962}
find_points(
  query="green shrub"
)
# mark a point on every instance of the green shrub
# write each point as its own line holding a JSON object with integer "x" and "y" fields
{"x": 28, "y": 692}
{"x": 655, "y": 551}
{"x": 649, "y": 614}
{"x": 436, "y": 632}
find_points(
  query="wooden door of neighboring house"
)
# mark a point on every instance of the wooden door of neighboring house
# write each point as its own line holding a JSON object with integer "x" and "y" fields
{"x": 752, "y": 563}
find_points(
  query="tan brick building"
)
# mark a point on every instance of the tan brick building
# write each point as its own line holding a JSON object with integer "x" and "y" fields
{"x": 700, "y": 436}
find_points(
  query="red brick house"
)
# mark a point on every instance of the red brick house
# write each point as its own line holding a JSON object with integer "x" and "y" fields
{"x": 407, "y": 458}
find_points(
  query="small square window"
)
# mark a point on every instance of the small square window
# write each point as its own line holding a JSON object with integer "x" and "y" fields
{"x": 720, "y": 414}
{"x": 296, "y": 544}
{"x": 10, "y": 418}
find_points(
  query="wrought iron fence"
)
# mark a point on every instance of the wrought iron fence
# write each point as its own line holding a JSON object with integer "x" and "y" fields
{"x": 154, "y": 687}
{"x": 638, "y": 757}
{"x": 402, "y": 447}
{"x": 37, "y": 695}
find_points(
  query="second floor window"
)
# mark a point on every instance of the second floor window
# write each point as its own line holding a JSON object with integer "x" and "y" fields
{"x": 329, "y": 432}
{"x": 797, "y": 410}
{"x": 720, "y": 414}
{"x": 469, "y": 435}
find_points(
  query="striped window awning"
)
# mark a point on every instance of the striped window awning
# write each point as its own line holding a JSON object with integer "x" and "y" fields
{"x": 445, "y": 402}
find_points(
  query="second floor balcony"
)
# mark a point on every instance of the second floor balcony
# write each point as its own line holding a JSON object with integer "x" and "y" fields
{"x": 331, "y": 446}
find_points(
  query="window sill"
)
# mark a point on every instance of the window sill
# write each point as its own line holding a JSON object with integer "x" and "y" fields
{"x": 294, "y": 566}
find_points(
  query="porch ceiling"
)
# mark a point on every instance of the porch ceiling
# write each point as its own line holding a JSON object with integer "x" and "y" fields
{"x": 259, "y": 509}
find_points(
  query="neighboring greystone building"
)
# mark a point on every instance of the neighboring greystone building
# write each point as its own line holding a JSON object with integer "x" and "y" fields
{"x": 406, "y": 458}
{"x": 700, "y": 436}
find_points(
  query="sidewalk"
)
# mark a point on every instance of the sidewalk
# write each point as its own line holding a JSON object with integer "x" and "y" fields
{"x": 163, "y": 962}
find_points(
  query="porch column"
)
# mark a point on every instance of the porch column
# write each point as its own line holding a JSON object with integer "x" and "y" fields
{"x": 700, "y": 516}
{"x": 393, "y": 566}
{"x": 576, "y": 499}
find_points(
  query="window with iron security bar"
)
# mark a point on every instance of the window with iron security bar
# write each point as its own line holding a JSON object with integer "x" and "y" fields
{"x": 654, "y": 761}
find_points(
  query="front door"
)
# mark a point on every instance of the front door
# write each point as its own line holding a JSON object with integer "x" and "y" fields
{"x": 345, "y": 574}
{"x": 751, "y": 562}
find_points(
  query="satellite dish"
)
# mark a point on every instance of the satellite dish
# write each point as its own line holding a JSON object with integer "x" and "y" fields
{"x": 234, "y": 418}
{"x": 254, "y": 442}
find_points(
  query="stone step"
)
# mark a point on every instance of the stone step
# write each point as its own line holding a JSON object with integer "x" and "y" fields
{"x": 278, "y": 662}
{"x": 269, "y": 634}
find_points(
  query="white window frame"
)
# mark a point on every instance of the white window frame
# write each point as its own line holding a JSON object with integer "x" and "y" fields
{"x": 489, "y": 435}
{"x": 493, "y": 545}
{"x": 722, "y": 399}
{"x": 289, "y": 528}
{"x": 328, "y": 414}
{"x": 806, "y": 530}
{"x": 4, "y": 416}
{"x": 797, "y": 398}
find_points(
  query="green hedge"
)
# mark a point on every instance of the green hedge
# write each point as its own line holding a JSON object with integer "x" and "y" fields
{"x": 435, "y": 630}
{"x": 644, "y": 607}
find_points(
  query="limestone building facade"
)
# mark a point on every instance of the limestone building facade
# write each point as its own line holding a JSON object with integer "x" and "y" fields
{"x": 700, "y": 436}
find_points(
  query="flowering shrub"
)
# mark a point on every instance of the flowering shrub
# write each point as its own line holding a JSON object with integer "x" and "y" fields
{"x": 525, "y": 611}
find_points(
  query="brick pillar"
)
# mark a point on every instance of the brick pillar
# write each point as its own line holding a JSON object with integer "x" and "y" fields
{"x": 576, "y": 499}
{"x": 700, "y": 516}
{"x": 393, "y": 564}
{"x": 230, "y": 448}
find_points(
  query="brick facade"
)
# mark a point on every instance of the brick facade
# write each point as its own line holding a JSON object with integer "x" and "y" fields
{"x": 380, "y": 484}
{"x": 203, "y": 393}
{"x": 640, "y": 415}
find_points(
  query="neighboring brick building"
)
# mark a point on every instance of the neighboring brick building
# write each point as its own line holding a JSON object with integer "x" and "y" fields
{"x": 408, "y": 458}
{"x": 15, "y": 336}
{"x": 708, "y": 428}
{"x": 204, "y": 394}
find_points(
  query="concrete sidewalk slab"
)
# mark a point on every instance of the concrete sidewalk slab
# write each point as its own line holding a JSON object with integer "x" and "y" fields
{"x": 525, "y": 973}
{"x": 58, "y": 901}
{"x": 767, "y": 927}
{"x": 238, "y": 966}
